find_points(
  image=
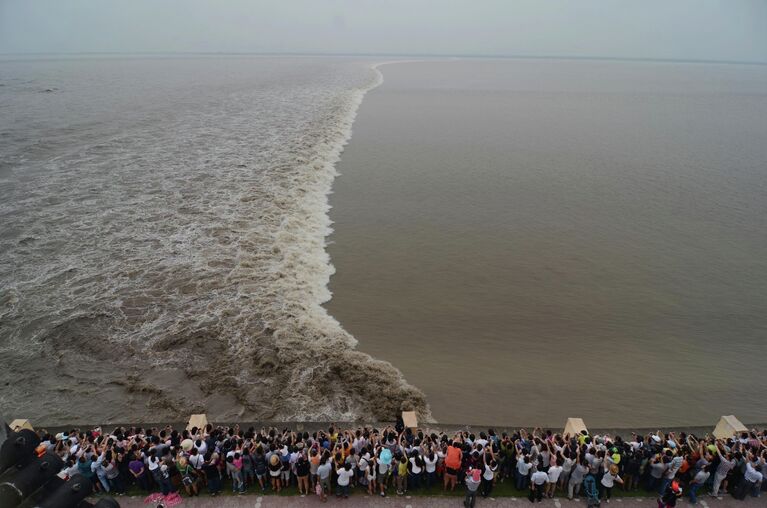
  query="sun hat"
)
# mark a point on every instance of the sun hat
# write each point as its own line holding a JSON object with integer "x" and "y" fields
{"x": 474, "y": 474}
{"x": 187, "y": 444}
{"x": 386, "y": 456}
{"x": 274, "y": 459}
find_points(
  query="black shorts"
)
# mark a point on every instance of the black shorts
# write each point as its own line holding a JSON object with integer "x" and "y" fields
{"x": 450, "y": 470}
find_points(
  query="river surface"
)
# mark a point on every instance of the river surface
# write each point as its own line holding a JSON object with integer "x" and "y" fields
{"x": 528, "y": 240}
{"x": 162, "y": 241}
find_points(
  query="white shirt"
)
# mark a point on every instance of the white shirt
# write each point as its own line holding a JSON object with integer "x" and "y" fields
{"x": 752, "y": 475}
{"x": 539, "y": 477}
{"x": 73, "y": 470}
{"x": 431, "y": 464}
{"x": 523, "y": 467}
{"x": 488, "y": 474}
{"x": 197, "y": 461}
{"x": 554, "y": 472}
{"x": 343, "y": 476}
{"x": 701, "y": 477}
{"x": 608, "y": 479}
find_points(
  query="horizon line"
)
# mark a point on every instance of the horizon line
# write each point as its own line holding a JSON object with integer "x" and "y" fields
{"x": 399, "y": 55}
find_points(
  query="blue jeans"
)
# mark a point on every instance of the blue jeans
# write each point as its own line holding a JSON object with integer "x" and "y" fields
{"x": 521, "y": 480}
{"x": 104, "y": 483}
{"x": 164, "y": 483}
{"x": 342, "y": 490}
{"x": 664, "y": 483}
{"x": 413, "y": 480}
{"x": 694, "y": 492}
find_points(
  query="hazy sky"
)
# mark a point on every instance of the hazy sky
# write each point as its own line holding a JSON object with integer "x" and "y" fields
{"x": 688, "y": 29}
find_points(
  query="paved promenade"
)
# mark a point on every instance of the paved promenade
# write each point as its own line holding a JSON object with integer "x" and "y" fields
{"x": 358, "y": 501}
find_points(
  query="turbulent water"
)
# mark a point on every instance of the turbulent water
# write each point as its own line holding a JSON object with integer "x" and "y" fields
{"x": 162, "y": 241}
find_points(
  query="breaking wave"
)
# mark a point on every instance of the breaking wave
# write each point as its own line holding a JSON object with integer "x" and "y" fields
{"x": 163, "y": 242}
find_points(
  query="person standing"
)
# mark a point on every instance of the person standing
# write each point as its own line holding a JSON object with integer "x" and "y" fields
{"x": 136, "y": 467}
{"x": 323, "y": 477}
{"x": 590, "y": 489}
{"x": 452, "y": 465}
{"x": 188, "y": 476}
{"x": 537, "y": 485}
{"x": 669, "y": 497}
{"x": 751, "y": 481}
{"x": 384, "y": 466}
{"x": 608, "y": 481}
{"x": 372, "y": 474}
{"x": 473, "y": 481}
{"x": 430, "y": 468}
{"x": 302, "y": 474}
{"x": 490, "y": 466}
{"x": 345, "y": 474}
{"x": 522, "y": 472}
{"x": 414, "y": 470}
{"x": 401, "y": 478}
{"x": 212, "y": 473}
{"x": 698, "y": 481}
{"x": 726, "y": 464}
{"x": 553, "y": 473}
{"x": 577, "y": 475}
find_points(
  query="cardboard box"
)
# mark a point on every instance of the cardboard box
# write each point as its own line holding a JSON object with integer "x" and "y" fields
{"x": 728, "y": 426}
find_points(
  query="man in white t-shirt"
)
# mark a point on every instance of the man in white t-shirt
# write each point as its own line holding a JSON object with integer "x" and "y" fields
{"x": 522, "y": 474}
{"x": 537, "y": 485}
{"x": 488, "y": 475}
{"x": 344, "y": 477}
{"x": 553, "y": 477}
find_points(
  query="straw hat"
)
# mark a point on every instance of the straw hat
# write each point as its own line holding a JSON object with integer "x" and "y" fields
{"x": 187, "y": 444}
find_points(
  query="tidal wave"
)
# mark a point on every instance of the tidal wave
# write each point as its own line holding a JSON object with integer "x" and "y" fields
{"x": 162, "y": 229}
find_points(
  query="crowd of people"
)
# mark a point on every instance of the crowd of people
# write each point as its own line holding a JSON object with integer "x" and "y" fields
{"x": 398, "y": 460}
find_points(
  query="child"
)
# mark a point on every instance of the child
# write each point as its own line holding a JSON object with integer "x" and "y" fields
{"x": 371, "y": 476}
{"x": 402, "y": 475}
{"x": 608, "y": 480}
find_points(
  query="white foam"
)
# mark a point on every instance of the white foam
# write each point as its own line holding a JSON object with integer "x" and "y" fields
{"x": 179, "y": 224}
